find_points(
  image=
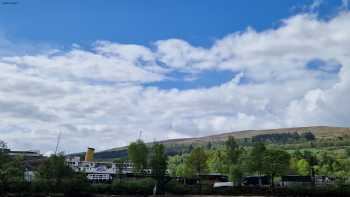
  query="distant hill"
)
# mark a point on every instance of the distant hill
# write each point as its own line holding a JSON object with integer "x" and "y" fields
{"x": 318, "y": 131}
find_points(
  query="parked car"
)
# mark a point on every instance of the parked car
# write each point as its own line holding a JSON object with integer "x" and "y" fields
{"x": 256, "y": 181}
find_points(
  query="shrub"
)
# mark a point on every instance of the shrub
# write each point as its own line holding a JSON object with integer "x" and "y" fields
{"x": 175, "y": 187}
{"x": 18, "y": 186}
{"x": 77, "y": 186}
{"x": 40, "y": 186}
{"x": 101, "y": 188}
{"x": 142, "y": 186}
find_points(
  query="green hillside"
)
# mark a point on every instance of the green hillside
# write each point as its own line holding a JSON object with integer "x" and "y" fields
{"x": 325, "y": 137}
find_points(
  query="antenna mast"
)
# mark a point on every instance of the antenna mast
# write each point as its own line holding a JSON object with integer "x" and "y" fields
{"x": 58, "y": 142}
{"x": 140, "y": 134}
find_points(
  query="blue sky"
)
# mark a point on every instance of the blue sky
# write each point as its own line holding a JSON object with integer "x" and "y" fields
{"x": 198, "y": 22}
{"x": 141, "y": 22}
{"x": 104, "y": 70}
{"x": 62, "y": 23}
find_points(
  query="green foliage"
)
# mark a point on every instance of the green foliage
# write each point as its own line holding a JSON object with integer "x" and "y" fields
{"x": 133, "y": 186}
{"x": 347, "y": 151}
{"x": 76, "y": 185}
{"x": 119, "y": 163}
{"x": 190, "y": 148}
{"x": 312, "y": 161}
{"x": 138, "y": 154}
{"x": 275, "y": 163}
{"x": 216, "y": 162}
{"x": 11, "y": 171}
{"x": 282, "y": 138}
{"x": 309, "y": 136}
{"x": 196, "y": 162}
{"x": 106, "y": 188}
{"x": 236, "y": 173}
{"x": 54, "y": 174}
{"x": 174, "y": 187}
{"x": 298, "y": 155}
{"x": 256, "y": 157}
{"x": 209, "y": 146}
{"x": 176, "y": 165}
{"x": 41, "y": 186}
{"x": 303, "y": 167}
{"x": 158, "y": 163}
{"x": 310, "y": 157}
{"x": 232, "y": 150}
{"x": 233, "y": 163}
{"x": 54, "y": 168}
{"x": 229, "y": 158}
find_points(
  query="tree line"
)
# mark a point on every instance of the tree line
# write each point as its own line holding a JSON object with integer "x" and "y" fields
{"x": 237, "y": 161}
{"x": 231, "y": 159}
{"x": 282, "y": 138}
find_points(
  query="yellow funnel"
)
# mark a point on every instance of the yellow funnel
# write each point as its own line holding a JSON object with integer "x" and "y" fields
{"x": 89, "y": 156}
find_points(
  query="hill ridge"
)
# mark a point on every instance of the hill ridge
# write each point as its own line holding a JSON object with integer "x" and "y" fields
{"x": 318, "y": 131}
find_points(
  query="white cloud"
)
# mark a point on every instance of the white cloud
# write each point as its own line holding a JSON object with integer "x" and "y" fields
{"x": 122, "y": 65}
{"x": 96, "y": 97}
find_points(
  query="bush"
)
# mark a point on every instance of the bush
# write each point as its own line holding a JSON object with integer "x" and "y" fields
{"x": 77, "y": 186}
{"x": 18, "y": 186}
{"x": 101, "y": 188}
{"x": 41, "y": 186}
{"x": 175, "y": 187}
{"x": 142, "y": 186}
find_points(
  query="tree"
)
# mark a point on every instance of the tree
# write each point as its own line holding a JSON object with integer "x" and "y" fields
{"x": 11, "y": 171}
{"x": 209, "y": 145}
{"x": 158, "y": 163}
{"x": 232, "y": 150}
{"x": 303, "y": 167}
{"x": 4, "y": 158}
{"x": 3, "y": 146}
{"x": 312, "y": 160}
{"x": 120, "y": 163}
{"x": 298, "y": 155}
{"x": 347, "y": 151}
{"x": 190, "y": 148}
{"x": 176, "y": 165}
{"x": 256, "y": 156}
{"x": 215, "y": 161}
{"x": 138, "y": 154}
{"x": 54, "y": 171}
{"x": 76, "y": 186}
{"x": 236, "y": 173}
{"x": 54, "y": 167}
{"x": 196, "y": 163}
{"x": 275, "y": 163}
{"x": 309, "y": 136}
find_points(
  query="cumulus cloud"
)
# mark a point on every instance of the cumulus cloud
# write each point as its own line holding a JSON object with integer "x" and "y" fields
{"x": 297, "y": 74}
{"x": 127, "y": 63}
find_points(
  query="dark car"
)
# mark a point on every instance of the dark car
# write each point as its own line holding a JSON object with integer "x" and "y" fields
{"x": 256, "y": 181}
